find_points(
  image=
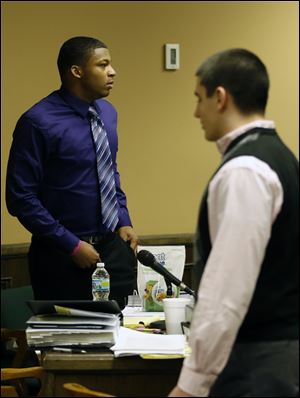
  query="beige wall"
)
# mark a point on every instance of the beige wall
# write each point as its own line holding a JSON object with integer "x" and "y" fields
{"x": 164, "y": 160}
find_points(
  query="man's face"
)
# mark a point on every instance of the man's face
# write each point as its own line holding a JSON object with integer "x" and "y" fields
{"x": 206, "y": 111}
{"x": 97, "y": 76}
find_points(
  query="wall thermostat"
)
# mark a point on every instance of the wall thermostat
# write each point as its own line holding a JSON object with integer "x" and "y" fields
{"x": 171, "y": 56}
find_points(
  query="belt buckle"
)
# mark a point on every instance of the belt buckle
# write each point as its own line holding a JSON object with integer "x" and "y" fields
{"x": 94, "y": 240}
{"x": 91, "y": 240}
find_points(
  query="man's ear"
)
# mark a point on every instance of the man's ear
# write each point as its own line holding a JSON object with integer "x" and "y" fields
{"x": 76, "y": 71}
{"x": 222, "y": 98}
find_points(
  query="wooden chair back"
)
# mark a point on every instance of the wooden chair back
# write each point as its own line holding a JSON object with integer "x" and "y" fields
{"x": 78, "y": 390}
{"x": 15, "y": 374}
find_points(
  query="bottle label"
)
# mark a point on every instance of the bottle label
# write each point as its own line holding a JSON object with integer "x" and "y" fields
{"x": 100, "y": 288}
{"x": 101, "y": 284}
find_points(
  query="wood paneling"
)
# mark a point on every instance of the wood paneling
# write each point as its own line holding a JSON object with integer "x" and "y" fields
{"x": 99, "y": 370}
{"x": 14, "y": 263}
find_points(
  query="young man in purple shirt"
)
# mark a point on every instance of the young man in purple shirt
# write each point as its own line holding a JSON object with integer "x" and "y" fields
{"x": 53, "y": 184}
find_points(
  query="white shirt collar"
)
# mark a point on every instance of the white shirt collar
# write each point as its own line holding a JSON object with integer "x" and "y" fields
{"x": 224, "y": 142}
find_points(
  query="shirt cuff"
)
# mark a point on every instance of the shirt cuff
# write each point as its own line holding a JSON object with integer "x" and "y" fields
{"x": 195, "y": 383}
{"x": 67, "y": 241}
{"x": 124, "y": 219}
{"x": 76, "y": 248}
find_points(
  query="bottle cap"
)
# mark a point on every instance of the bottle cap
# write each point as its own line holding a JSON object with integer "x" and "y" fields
{"x": 100, "y": 265}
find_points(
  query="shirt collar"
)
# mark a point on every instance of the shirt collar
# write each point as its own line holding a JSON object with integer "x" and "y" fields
{"x": 80, "y": 106}
{"x": 224, "y": 142}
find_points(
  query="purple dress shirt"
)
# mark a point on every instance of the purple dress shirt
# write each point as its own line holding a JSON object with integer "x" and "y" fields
{"x": 52, "y": 184}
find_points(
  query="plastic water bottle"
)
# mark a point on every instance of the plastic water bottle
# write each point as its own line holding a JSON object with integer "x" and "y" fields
{"x": 100, "y": 283}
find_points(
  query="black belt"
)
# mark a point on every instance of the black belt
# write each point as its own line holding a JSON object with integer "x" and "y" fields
{"x": 98, "y": 239}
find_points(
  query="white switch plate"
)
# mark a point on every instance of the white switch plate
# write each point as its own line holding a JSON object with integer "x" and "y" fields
{"x": 171, "y": 56}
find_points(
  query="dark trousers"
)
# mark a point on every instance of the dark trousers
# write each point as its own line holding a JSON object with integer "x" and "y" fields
{"x": 55, "y": 276}
{"x": 260, "y": 369}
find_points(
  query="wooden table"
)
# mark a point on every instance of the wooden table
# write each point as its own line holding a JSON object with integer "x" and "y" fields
{"x": 126, "y": 376}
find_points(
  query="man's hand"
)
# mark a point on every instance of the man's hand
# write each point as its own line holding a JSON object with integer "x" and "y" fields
{"x": 86, "y": 256}
{"x": 178, "y": 392}
{"x": 128, "y": 234}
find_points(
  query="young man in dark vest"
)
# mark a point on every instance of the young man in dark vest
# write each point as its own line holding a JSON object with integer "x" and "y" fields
{"x": 244, "y": 333}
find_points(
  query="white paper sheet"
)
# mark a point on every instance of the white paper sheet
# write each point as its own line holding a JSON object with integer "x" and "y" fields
{"x": 131, "y": 342}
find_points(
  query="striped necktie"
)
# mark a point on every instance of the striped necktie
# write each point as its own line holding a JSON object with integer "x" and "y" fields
{"x": 105, "y": 170}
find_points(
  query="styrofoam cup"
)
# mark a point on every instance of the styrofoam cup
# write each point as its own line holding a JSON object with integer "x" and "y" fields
{"x": 174, "y": 309}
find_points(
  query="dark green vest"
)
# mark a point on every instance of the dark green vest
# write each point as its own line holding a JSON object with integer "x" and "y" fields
{"x": 274, "y": 309}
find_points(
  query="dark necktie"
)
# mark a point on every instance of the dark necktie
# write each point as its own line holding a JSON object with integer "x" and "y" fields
{"x": 105, "y": 170}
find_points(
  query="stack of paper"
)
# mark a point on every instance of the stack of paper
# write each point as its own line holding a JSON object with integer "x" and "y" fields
{"x": 131, "y": 342}
{"x": 73, "y": 328}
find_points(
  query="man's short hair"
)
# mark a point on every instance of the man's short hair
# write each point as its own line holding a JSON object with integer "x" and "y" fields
{"x": 240, "y": 72}
{"x": 76, "y": 51}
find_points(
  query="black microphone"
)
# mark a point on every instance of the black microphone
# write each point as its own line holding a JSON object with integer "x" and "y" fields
{"x": 147, "y": 258}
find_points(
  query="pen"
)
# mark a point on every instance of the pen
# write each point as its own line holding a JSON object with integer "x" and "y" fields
{"x": 72, "y": 350}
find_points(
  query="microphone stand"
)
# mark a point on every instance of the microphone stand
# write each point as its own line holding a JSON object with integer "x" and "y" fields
{"x": 170, "y": 291}
{"x": 169, "y": 287}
